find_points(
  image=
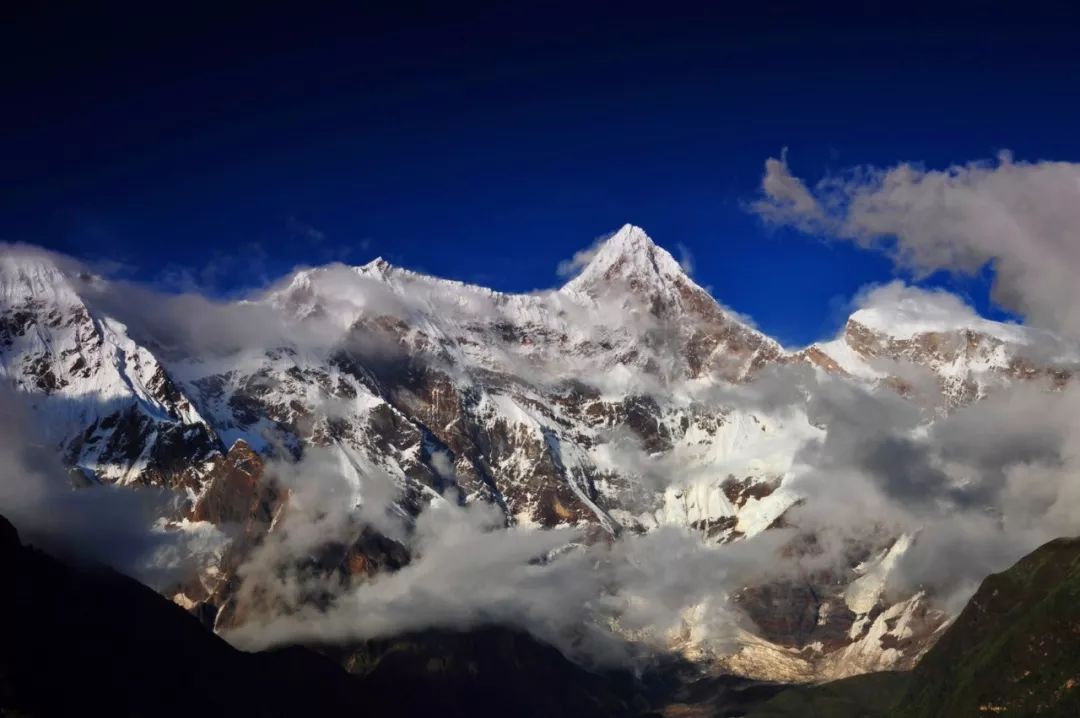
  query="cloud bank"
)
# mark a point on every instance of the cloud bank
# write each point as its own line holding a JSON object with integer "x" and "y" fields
{"x": 112, "y": 525}
{"x": 1022, "y": 217}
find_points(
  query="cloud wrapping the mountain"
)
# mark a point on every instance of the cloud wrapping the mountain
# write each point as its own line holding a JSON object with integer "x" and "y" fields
{"x": 107, "y": 524}
{"x": 1021, "y": 216}
{"x": 345, "y": 309}
{"x": 989, "y": 482}
{"x": 568, "y": 268}
{"x": 930, "y": 309}
{"x": 469, "y": 570}
{"x": 192, "y": 325}
{"x": 979, "y": 487}
{"x": 329, "y": 502}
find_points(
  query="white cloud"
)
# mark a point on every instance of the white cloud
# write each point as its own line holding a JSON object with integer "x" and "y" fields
{"x": 109, "y": 524}
{"x": 468, "y": 571}
{"x": 1024, "y": 217}
{"x": 686, "y": 259}
{"x": 568, "y": 268}
{"x": 787, "y": 199}
{"x": 903, "y": 310}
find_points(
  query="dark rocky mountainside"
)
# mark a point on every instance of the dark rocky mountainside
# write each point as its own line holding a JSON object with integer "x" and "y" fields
{"x": 1013, "y": 651}
{"x": 86, "y": 640}
{"x": 83, "y": 639}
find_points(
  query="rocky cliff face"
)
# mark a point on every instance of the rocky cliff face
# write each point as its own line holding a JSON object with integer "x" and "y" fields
{"x": 603, "y": 405}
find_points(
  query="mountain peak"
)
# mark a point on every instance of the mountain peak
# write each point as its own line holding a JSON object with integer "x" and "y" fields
{"x": 629, "y": 256}
{"x": 377, "y": 265}
{"x": 28, "y": 273}
{"x": 629, "y": 238}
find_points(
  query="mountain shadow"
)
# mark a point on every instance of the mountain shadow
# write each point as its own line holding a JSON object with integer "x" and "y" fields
{"x": 81, "y": 639}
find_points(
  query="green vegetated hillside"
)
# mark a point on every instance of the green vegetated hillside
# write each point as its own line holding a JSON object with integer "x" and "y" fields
{"x": 1013, "y": 651}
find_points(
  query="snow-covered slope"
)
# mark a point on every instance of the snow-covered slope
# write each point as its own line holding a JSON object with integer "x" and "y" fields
{"x": 940, "y": 358}
{"x": 102, "y": 399}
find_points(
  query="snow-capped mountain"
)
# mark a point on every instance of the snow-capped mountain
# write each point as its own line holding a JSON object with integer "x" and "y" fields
{"x": 966, "y": 357}
{"x": 606, "y": 404}
{"x": 104, "y": 400}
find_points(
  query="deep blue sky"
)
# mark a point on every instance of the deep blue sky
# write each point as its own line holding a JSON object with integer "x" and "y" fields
{"x": 489, "y": 142}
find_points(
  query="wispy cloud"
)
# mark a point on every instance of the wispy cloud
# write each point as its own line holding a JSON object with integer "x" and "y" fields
{"x": 567, "y": 268}
{"x": 686, "y": 259}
